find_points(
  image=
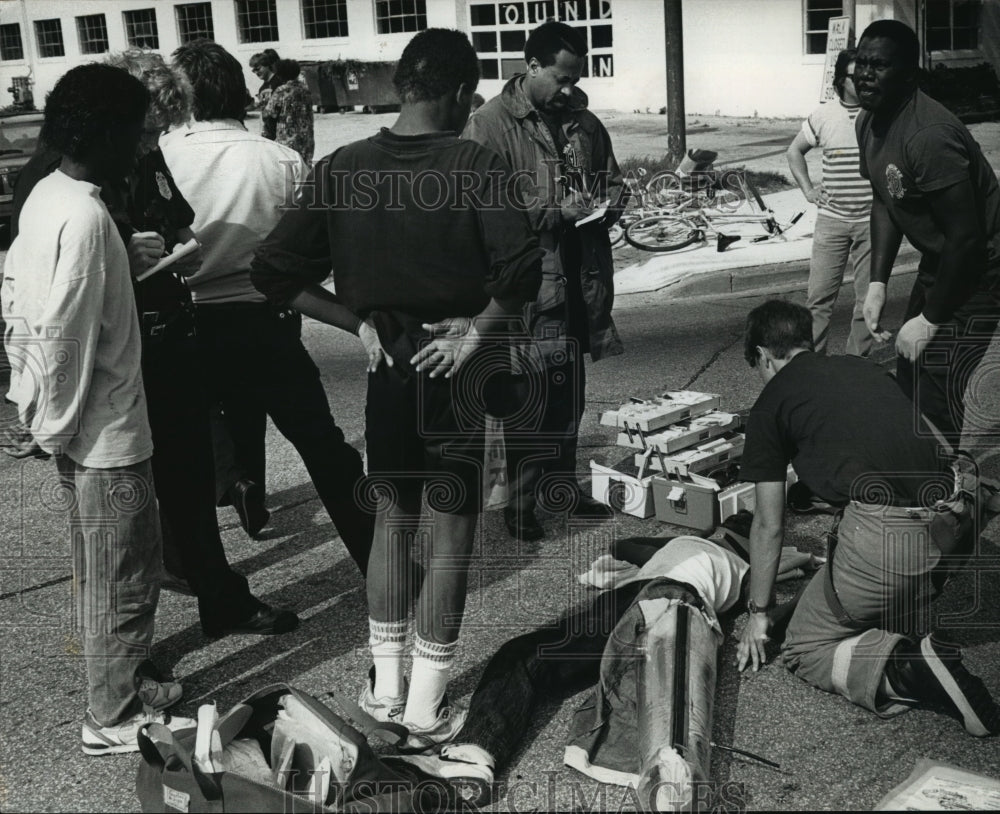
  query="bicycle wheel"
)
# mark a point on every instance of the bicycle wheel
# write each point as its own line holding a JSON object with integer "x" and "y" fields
{"x": 616, "y": 233}
{"x": 662, "y": 233}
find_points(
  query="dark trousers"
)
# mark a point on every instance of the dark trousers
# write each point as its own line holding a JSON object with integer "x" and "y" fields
{"x": 258, "y": 367}
{"x": 937, "y": 382}
{"x": 548, "y": 446}
{"x": 184, "y": 477}
{"x": 548, "y": 663}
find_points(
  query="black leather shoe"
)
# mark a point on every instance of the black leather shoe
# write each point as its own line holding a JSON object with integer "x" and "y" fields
{"x": 523, "y": 526}
{"x": 587, "y": 507}
{"x": 265, "y": 620}
{"x": 247, "y": 497}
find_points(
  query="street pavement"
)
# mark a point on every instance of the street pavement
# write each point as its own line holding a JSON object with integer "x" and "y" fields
{"x": 833, "y": 756}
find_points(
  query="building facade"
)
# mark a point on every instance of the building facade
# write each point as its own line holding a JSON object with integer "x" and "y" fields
{"x": 741, "y": 57}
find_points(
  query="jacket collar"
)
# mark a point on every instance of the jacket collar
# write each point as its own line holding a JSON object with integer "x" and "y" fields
{"x": 516, "y": 100}
{"x": 215, "y": 124}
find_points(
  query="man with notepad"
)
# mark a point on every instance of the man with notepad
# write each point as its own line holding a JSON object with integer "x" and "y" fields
{"x": 565, "y": 166}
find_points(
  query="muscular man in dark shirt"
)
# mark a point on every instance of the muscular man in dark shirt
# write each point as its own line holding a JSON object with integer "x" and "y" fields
{"x": 933, "y": 185}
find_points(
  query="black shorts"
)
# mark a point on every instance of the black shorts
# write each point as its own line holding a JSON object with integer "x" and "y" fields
{"x": 422, "y": 431}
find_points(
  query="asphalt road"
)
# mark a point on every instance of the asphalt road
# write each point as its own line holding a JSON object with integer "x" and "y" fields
{"x": 833, "y": 756}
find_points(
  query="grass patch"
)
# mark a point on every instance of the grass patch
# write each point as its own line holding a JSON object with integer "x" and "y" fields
{"x": 766, "y": 181}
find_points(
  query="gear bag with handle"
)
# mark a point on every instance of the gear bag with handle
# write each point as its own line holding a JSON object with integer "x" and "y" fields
{"x": 281, "y": 750}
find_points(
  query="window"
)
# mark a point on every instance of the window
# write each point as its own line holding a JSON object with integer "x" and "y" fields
{"x": 952, "y": 25}
{"x": 325, "y": 18}
{"x": 499, "y": 29}
{"x": 194, "y": 21}
{"x": 93, "y": 33}
{"x": 256, "y": 20}
{"x": 397, "y": 16}
{"x": 48, "y": 33}
{"x": 140, "y": 28}
{"x": 10, "y": 42}
{"x": 817, "y": 21}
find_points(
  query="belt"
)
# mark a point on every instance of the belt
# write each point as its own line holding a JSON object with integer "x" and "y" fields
{"x": 159, "y": 325}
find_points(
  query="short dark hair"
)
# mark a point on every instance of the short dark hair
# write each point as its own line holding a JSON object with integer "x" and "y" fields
{"x": 844, "y": 59}
{"x": 779, "y": 326}
{"x": 287, "y": 69}
{"x": 546, "y": 41}
{"x": 901, "y": 34}
{"x": 268, "y": 58}
{"x": 220, "y": 91}
{"x": 87, "y": 104}
{"x": 436, "y": 62}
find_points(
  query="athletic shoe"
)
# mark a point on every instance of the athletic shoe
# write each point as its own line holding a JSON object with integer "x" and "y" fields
{"x": 387, "y": 710}
{"x": 157, "y": 695}
{"x": 119, "y": 738}
{"x": 962, "y": 691}
{"x": 450, "y": 719}
{"x": 467, "y": 768}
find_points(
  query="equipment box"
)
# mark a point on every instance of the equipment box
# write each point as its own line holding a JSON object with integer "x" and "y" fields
{"x": 681, "y": 435}
{"x": 649, "y": 415}
{"x": 690, "y": 501}
{"x": 700, "y": 459}
{"x": 625, "y": 487}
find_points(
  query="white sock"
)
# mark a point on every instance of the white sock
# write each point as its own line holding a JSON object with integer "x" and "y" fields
{"x": 428, "y": 682}
{"x": 388, "y": 645}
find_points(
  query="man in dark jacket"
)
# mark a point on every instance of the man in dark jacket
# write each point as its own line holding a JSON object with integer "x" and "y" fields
{"x": 563, "y": 163}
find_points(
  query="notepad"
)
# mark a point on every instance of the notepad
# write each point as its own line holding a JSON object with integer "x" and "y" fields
{"x": 180, "y": 252}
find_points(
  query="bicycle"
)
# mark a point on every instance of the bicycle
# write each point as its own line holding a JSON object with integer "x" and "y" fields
{"x": 670, "y": 230}
{"x": 675, "y": 192}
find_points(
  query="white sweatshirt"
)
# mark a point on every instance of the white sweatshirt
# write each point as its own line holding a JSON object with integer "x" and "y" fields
{"x": 74, "y": 338}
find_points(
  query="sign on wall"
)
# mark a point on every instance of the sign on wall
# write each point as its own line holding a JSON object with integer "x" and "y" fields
{"x": 499, "y": 29}
{"x": 838, "y": 38}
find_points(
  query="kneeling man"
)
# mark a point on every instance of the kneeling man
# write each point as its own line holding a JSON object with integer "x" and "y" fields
{"x": 861, "y": 626}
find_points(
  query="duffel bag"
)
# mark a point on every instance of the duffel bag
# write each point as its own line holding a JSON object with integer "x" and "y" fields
{"x": 283, "y": 751}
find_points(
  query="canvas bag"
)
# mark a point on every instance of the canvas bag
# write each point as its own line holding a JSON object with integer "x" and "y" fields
{"x": 170, "y": 781}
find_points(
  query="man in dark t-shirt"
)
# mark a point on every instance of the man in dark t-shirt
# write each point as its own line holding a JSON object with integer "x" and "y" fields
{"x": 932, "y": 184}
{"x": 850, "y": 434}
{"x": 430, "y": 259}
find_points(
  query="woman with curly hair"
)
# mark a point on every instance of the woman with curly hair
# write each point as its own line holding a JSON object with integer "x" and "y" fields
{"x": 151, "y": 214}
{"x": 288, "y": 116}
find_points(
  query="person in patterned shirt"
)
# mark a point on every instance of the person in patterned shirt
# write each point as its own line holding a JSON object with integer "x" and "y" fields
{"x": 844, "y": 200}
{"x": 287, "y": 114}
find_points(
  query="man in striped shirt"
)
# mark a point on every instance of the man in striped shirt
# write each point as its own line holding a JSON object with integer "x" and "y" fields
{"x": 844, "y": 199}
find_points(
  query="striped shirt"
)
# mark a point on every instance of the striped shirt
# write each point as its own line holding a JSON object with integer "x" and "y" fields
{"x": 831, "y": 127}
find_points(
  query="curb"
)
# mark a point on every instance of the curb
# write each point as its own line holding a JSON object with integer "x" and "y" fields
{"x": 772, "y": 278}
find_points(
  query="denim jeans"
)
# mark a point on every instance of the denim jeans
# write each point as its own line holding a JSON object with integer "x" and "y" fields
{"x": 835, "y": 242}
{"x": 548, "y": 663}
{"x": 115, "y": 532}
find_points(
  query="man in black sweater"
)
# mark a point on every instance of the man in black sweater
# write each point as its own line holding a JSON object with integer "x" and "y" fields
{"x": 432, "y": 262}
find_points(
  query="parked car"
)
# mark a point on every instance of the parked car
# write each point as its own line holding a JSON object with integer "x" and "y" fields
{"x": 18, "y": 140}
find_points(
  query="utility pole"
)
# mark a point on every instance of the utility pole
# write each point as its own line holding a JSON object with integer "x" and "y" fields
{"x": 674, "y": 46}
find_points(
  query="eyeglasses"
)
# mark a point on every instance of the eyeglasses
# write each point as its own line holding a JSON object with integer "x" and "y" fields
{"x": 849, "y": 76}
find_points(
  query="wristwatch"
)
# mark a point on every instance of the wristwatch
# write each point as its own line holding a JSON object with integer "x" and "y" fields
{"x": 753, "y": 607}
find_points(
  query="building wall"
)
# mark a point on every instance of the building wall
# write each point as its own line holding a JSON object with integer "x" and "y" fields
{"x": 741, "y": 57}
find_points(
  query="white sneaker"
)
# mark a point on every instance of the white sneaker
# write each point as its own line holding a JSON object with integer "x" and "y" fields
{"x": 467, "y": 768}
{"x": 387, "y": 710}
{"x": 122, "y": 737}
{"x": 450, "y": 720}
